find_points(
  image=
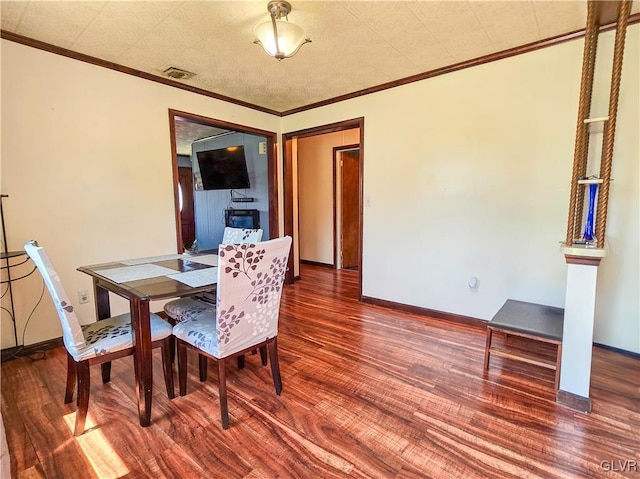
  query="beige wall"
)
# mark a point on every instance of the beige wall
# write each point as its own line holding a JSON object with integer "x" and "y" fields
{"x": 468, "y": 174}
{"x": 315, "y": 195}
{"x": 86, "y": 161}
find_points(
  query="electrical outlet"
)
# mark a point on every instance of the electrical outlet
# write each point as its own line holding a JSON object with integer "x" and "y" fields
{"x": 83, "y": 296}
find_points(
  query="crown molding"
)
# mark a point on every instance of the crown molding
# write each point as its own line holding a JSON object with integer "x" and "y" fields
{"x": 511, "y": 52}
{"x": 30, "y": 42}
{"x": 529, "y": 47}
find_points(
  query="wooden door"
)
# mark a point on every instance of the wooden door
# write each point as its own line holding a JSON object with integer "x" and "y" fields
{"x": 187, "y": 218}
{"x": 350, "y": 171}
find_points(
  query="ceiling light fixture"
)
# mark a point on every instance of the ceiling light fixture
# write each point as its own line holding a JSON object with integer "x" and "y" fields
{"x": 280, "y": 38}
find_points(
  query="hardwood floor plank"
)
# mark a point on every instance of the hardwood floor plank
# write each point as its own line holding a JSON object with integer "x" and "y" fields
{"x": 33, "y": 472}
{"x": 216, "y": 458}
{"x": 173, "y": 462}
{"x": 368, "y": 392}
{"x": 22, "y": 455}
{"x": 58, "y": 453}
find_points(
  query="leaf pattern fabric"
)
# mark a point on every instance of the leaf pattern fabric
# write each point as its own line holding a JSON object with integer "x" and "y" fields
{"x": 90, "y": 340}
{"x": 250, "y": 282}
{"x": 72, "y": 335}
{"x": 188, "y": 308}
{"x": 114, "y": 334}
{"x": 241, "y": 235}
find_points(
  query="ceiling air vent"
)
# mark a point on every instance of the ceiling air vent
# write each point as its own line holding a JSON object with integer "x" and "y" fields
{"x": 177, "y": 73}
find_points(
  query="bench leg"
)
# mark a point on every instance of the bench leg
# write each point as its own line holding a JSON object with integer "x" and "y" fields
{"x": 558, "y": 360}
{"x": 487, "y": 348}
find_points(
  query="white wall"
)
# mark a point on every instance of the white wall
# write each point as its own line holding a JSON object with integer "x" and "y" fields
{"x": 469, "y": 173}
{"x": 315, "y": 195}
{"x": 86, "y": 161}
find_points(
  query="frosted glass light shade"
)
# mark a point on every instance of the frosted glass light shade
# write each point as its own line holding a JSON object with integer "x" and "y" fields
{"x": 290, "y": 38}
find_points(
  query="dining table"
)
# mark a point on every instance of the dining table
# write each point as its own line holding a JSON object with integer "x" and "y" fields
{"x": 140, "y": 281}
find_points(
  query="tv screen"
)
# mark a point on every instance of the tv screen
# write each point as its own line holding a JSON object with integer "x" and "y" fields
{"x": 223, "y": 169}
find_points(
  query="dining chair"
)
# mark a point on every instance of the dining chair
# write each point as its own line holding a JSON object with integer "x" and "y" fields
{"x": 250, "y": 282}
{"x": 96, "y": 343}
{"x": 180, "y": 309}
{"x": 183, "y": 308}
{"x": 241, "y": 235}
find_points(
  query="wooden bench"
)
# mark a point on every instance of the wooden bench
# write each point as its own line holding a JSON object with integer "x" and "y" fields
{"x": 527, "y": 320}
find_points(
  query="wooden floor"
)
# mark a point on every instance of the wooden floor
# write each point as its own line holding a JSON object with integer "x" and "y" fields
{"x": 368, "y": 393}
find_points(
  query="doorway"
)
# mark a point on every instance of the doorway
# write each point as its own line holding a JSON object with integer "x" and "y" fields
{"x": 290, "y": 188}
{"x": 272, "y": 188}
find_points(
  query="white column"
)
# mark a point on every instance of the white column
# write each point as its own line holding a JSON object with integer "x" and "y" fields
{"x": 579, "y": 316}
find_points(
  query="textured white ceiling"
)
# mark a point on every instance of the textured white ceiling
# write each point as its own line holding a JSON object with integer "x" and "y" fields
{"x": 355, "y": 44}
{"x": 188, "y": 131}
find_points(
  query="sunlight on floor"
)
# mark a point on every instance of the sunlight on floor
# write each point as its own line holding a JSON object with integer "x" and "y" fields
{"x": 106, "y": 463}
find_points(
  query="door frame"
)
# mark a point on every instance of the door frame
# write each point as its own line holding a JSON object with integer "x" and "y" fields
{"x": 188, "y": 177}
{"x": 288, "y": 199}
{"x": 272, "y": 165}
{"x": 338, "y": 150}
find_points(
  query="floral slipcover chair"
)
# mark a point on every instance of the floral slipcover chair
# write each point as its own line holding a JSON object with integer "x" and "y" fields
{"x": 94, "y": 343}
{"x": 241, "y": 235}
{"x": 183, "y": 308}
{"x": 250, "y": 282}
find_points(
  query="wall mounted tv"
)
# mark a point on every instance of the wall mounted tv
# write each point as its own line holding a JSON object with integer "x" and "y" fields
{"x": 223, "y": 169}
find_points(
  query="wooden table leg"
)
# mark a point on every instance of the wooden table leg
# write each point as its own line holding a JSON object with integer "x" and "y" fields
{"x": 141, "y": 329}
{"x": 556, "y": 382}
{"x": 487, "y": 348}
{"x": 103, "y": 310}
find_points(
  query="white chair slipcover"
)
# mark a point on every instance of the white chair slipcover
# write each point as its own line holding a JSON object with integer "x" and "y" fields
{"x": 250, "y": 282}
{"x": 241, "y": 235}
{"x": 250, "y": 279}
{"x": 95, "y": 343}
{"x": 87, "y": 341}
{"x": 183, "y": 308}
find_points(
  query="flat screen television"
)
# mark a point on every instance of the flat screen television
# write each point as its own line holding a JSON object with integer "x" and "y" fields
{"x": 223, "y": 169}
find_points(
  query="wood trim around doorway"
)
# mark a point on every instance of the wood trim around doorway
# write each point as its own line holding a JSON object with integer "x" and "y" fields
{"x": 272, "y": 168}
{"x": 288, "y": 184}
